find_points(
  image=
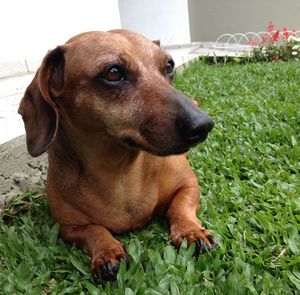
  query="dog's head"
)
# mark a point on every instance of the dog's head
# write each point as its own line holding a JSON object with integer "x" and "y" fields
{"x": 116, "y": 83}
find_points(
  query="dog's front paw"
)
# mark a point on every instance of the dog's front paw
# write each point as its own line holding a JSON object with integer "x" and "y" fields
{"x": 196, "y": 234}
{"x": 105, "y": 265}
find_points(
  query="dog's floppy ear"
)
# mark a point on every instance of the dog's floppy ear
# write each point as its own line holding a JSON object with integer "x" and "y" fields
{"x": 39, "y": 112}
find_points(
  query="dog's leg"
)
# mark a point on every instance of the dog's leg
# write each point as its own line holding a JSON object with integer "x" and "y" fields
{"x": 184, "y": 223}
{"x": 104, "y": 249}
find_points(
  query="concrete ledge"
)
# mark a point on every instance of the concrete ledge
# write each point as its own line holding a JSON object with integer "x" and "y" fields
{"x": 12, "y": 68}
{"x": 18, "y": 67}
{"x": 19, "y": 171}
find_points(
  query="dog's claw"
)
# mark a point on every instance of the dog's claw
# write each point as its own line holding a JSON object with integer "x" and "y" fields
{"x": 212, "y": 245}
{"x": 108, "y": 271}
{"x": 201, "y": 246}
{"x": 127, "y": 261}
{"x": 95, "y": 276}
{"x": 105, "y": 272}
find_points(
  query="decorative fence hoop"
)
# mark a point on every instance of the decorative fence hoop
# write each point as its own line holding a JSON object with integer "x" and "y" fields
{"x": 249, "y": 40}
{"x": 230, "y": 36}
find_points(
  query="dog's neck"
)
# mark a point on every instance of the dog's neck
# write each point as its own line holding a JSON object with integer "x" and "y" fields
{"x": 93, "y": 151}
{"x": 102, "y": 162}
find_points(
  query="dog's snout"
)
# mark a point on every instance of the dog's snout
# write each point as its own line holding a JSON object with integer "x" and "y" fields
{"x": 195, "y": 127}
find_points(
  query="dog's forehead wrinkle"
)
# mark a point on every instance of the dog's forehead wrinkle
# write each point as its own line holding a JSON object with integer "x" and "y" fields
{"x": 117, "y": 39}
{"x": 142, "y": 48}
{"x": 95, "y": 37}
{"x": 96, "y": 49}
{"x": 96, "y": 43}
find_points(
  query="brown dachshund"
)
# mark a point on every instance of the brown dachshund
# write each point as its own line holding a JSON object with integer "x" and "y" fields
{"x": 117, "y": 134}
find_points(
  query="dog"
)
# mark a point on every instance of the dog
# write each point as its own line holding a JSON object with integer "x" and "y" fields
{"x": 117, "y": 135}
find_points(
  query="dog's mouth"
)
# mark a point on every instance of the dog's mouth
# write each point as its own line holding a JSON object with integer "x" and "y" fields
{"x": 134, "y": 144}
{"x": 194, "y": 140}
{"x": 128, "y": 141}
{"x": 178, "y": 151}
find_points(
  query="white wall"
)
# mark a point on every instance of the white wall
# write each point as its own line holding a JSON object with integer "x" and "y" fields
{"x": 211, "y": 18}
{"x": 166, "y": 20}
{"x": 29, "y": 28}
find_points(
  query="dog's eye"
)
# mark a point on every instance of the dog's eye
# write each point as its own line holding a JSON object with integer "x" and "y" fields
{"x": 114, "y": 74}
{"x": 169, "y": 68}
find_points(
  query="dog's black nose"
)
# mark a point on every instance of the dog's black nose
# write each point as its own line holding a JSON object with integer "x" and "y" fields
{"x": 195, "y": 127}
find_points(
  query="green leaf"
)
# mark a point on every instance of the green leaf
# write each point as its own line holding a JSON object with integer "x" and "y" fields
{"x": 190, "y": 276}
{"x": 190, "y": 251}
{"x": 53, "y": 235}
{"x": 292, "y": 243}
{"x": 169, "y": 254}
{"x": 77, "y": 264}
{"x": 121, "y": 275}
{"x": 93, "y": 290}
{"x": 174, "y": 288}
{"x": 294, "y": 280}
{"x": 151, "y": 291}
{"x": 164, "y": 283}
{"x": 183, "y": 247}
{"x": 128, "y": 291}
{"x": 293, "y": 140}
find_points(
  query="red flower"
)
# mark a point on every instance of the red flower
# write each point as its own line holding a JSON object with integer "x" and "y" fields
{"x": 285, "y": 33}
{"x": 275, "y": 36}
{"x": 271, "y": 26}
{"x": 252, "y": 42}
{"x": 265, "y": 38}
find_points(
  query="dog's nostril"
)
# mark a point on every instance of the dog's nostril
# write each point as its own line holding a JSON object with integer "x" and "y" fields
{"x": 202, "y": 128}
{"x": 196, "y": 129}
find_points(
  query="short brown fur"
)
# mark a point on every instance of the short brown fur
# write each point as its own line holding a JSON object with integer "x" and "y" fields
{"x": 116, "y": 158}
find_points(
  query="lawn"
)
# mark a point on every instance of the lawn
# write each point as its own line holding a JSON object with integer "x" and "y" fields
{"x": 249, "y": 170}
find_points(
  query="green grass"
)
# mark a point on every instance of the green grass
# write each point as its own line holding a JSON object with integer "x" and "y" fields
{"x": 249, "y": 170}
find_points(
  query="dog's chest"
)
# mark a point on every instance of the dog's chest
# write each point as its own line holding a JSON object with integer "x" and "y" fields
{"x": 134, "y": 207}
{"x": 125, "y": 214}
{"x": 121, "y": 200}
{"x": 124, "y": 204}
